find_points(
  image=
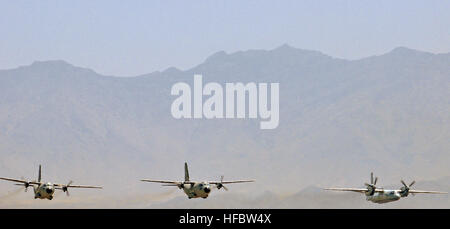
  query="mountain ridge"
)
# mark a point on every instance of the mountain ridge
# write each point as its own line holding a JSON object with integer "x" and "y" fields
{"x": 222, "y": 54}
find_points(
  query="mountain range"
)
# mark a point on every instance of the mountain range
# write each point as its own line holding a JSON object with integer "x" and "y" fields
{"x": 339, "y": 120}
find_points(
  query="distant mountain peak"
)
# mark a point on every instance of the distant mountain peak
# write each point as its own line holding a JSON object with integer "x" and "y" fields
{"x": 401, "y": 50}
{"x": 285, "y": 47}
{"x": 284, "y": 55}
{"x": 57, "y": 66}
{"x": 51, "y": 63}
{"x": 216, "y": 56}
{"x": 171, "y": 70}
{"x": 288, "y": 49}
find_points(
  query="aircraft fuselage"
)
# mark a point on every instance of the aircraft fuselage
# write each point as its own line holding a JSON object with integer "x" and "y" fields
{"x": 44, "y": 191}
{"x": 384, "y": 197}
{"x": 197, "y": 190}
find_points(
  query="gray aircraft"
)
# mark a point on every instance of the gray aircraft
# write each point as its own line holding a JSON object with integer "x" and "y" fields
{"x": 196, "y": 189}
{"x": 381, "y": 195}
{"x": 44, "y": 190}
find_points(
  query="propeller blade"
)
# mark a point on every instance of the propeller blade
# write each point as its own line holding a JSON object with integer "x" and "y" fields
{"x": 25, "y": 185}
{"x": 375, "y": 182}
{"x": 220, "y": 185}
{"x": 371, "y": 177}
{"x": 67, "y": 188}
{"x": 412, "y": 183}
{"x": 403, "y": 183}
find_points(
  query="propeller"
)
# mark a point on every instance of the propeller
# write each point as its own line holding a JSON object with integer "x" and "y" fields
{"x": 65, "y": 188}
{"x": 26, "y": 185}
{"x": 220, "y": 185}
{"x": 371, "y": 187}
{"x": 404, "y": 191}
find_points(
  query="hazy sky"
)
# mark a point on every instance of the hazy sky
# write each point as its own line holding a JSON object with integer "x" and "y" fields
{"x": 127, "y": 38}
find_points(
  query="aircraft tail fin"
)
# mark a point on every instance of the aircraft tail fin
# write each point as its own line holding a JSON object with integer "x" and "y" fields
{"x": 39, "y": 176}
{"x": 186, "y": 172}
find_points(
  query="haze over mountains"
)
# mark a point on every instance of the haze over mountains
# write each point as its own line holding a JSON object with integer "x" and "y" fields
{"x": 339, "y": 120}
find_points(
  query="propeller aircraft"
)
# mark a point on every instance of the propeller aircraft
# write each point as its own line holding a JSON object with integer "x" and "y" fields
{"x": 196, "y": 189}
{"x": 381, "y": 195}
{"x": 44, "y": 190}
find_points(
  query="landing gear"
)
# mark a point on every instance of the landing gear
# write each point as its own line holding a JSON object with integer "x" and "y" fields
{"x": 190, "y": 197}
{"x": 50, "y": 198}
{"x": 205, "y": 197}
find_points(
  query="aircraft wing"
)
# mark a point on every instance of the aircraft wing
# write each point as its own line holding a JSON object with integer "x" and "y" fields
{"x": 163, "y": 181}
{"x": 360, "y": 190}
{"x": 60, "y": 186}
{"x": 231, "y": 182}
{"x": 426, "y": 192}
{"x": 20, "y": 181}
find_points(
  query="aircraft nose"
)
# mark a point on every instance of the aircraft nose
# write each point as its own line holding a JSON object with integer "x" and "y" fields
{"x": 207, "y": 189}
{"x": 49, "y": 190}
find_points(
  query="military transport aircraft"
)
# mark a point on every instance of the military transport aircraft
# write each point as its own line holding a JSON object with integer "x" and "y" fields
{"x": 196, "y": 189}
{"x": 380, "y": 195}
{"x": 46, "y": 190}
